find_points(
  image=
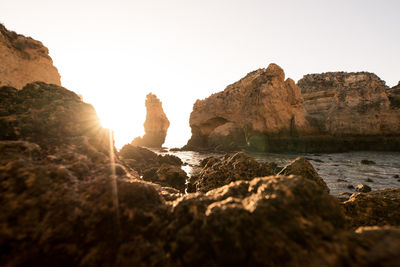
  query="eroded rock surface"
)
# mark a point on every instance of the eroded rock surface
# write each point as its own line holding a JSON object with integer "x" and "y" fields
{"x": 261, "y": 104}
{"x": 155, "y": 126}
{"x": 218, "y": 172}
{"x": 380, "y": 207}
{"x": 24, "y": 60}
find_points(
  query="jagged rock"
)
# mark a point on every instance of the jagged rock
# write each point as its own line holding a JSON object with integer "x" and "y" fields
{"x": 251, "y": 112}
{"x": 380, "y": 207}
{"x": 352, "y": 110}
{"x": 229, "y": 168}
{"x": 50, "y": 115}
{"x": 394, "y": 96}
{"x": 304, "y": 168}
{"x": 24, "y": 60}
{"x": 155, "y": 126}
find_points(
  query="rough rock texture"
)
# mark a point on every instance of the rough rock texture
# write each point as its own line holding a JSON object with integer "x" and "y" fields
{"x": 353, "y": 108}
{"x": 66, "y": 201}
{"x": 161, "y": 169}
{"x": 155, "y": 126}
{"x": 218, "y": 172}
{"x": 380, "y": 207}
{"x": 394, "y": 96}
{"x": 303, "y": 168}
{"x": 262, "y": 104}
{"x": 24, "y": 60}
{"x": 332, "y": 112}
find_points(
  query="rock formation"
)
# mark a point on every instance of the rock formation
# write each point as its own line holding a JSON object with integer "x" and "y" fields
{"x": 335, "y": 111}
{"x": 64, "y": 201}
{"x": 253, "y": 111}
{"x": 155, "y": 126}
{"x": 394, "y": 96}
{"x": 24, "y": 60}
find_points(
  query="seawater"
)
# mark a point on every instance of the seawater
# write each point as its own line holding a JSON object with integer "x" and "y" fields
{"x": 339, "y": 170}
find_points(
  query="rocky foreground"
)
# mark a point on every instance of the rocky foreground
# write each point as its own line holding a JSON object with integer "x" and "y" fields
{"x": 328, "y": 112}
{"x": 67, "y": 198}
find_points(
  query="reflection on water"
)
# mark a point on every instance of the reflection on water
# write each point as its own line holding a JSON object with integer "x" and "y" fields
{"x": 339, "y": 170}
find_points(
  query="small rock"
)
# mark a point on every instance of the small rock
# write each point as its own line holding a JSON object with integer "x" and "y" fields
{"x": 363, "y": 188}
{"x": 368, "y": 162}
{"x": 369, "y": 180}
{"x": 350, "y": 186}
{"x": 341, "y": 180}
{"x": 396, "y": 176}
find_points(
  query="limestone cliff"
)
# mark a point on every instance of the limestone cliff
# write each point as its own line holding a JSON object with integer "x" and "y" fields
{"x": 155, "y": 126}
{"x": 24, "y": 60}
{"x": 261, "y": 104}
{"x": 331, "y": 112}
{"x": 349, "y": 104}
{"x": 394, "y": 96}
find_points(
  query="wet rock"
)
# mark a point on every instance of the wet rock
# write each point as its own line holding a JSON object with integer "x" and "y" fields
{"x": 368, "y": 162}
{"x": 363, "y": 188}
{"x": 155, "y": 126}
{"x": 369, "y": 180}
{"x": 303, "y": 168}
{"x": 341, "y": 180}
{"x": 380, "y": 207}
{"x": 216, "y": 173}
{"x": 351, "y": 187}
{"x": 396, "y": 176}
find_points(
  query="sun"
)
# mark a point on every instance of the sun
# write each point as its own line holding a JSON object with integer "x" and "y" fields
{"x": 117, "y": 117}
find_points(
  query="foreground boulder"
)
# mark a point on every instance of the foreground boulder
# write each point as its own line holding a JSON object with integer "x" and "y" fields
{"x": 65, "y": 200}
{"x": 155, "y": 126}
{"x": 380, "y": 207}
{"x": 303, "y": 168}
{"x": 218, "y": 172}
{"x": 24, "y": 60}
{"x": 161, "y": 169}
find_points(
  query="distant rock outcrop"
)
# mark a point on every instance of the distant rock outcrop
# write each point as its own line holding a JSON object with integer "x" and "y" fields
{"x": 262, "y": 104}
{"x": 394, "y": 96}
{"x": 24, "y": 60}
{"x": 155, "y": 126}
{"x": 340, "y": 104}
{"x": 335, "y": 111}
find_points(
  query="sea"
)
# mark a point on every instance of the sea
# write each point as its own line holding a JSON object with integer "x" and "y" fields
{"x": 341, "y": 171}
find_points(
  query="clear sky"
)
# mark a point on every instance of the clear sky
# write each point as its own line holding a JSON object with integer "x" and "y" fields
{"x": 115, "y": 52}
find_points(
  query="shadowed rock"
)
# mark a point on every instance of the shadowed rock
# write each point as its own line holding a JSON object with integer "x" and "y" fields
{"x": 155, "y": 126}
{"x": 303, "y": 168}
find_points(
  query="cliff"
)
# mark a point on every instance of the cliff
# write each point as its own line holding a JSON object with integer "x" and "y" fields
{"x": 332, "y": 112}
{"x": 24, "y": 60}
{"x": 155, "y": 126}
{"x": 261, "y": 104}
{"x": 349, "y": 104}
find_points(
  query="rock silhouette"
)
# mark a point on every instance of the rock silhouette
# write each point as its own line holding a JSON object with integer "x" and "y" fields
{"x": 155, "y": 126}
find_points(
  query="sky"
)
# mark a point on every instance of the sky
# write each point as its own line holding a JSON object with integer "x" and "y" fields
{"x": 115, "y": 52}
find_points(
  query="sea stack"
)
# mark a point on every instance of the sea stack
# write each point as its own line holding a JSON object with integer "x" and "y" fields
{"x": 262, "y": 104}
{"x": 24, "y": 60}
{"x": 155, "y": 126}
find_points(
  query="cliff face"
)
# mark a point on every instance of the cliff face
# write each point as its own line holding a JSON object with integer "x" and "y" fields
{"x": 394, "y": 96}
{"x": 24, "y": 60}
{"x": 155, "y": 126}
{"x": 334, "y": 111}
{"x": 343, "y": 104}
{"x": 262, "y": 103}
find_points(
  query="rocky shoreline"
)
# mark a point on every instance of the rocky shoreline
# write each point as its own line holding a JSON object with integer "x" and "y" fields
{"x": 69, "y": 198}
